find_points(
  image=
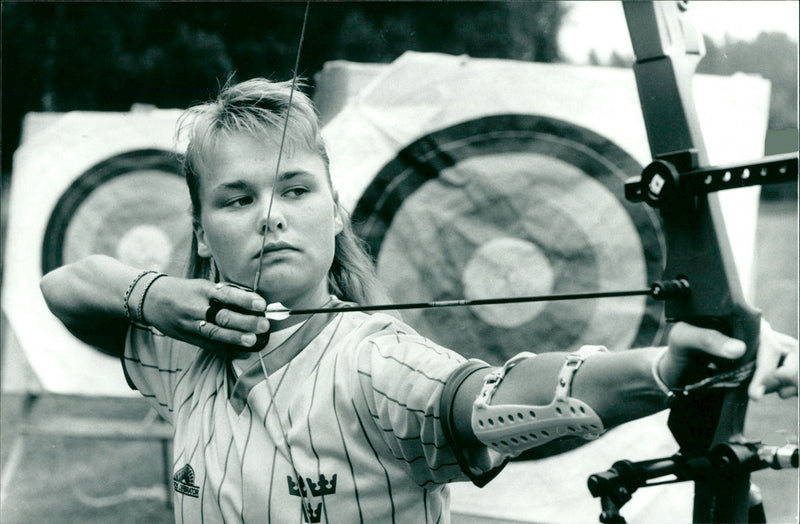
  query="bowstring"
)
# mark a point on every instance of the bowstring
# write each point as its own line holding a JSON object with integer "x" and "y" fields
{"x": 270, "y": 391}
{"x": 280, "y": 149}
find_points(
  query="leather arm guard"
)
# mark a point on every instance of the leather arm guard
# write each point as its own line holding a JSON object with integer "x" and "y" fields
{"x": 511, "y": 429}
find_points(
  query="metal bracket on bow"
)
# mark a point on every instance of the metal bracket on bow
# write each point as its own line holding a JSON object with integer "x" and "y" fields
{"x": 663, "y": 186}
{"x": 616, "y": 485}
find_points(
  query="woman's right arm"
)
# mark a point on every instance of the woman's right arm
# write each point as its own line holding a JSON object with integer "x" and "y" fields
{"x": 88, "y": 297}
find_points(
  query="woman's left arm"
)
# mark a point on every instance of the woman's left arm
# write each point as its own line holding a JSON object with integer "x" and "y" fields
{"x": 618, "y": 386}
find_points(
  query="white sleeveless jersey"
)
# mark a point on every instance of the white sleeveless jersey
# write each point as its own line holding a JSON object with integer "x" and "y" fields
{"x": 352, "y": 435}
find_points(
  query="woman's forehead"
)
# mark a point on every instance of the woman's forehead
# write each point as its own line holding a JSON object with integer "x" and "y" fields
{"x": 244, "y": 154}
{"x": 230, "y": 147}
{"x": 237, "y": 143}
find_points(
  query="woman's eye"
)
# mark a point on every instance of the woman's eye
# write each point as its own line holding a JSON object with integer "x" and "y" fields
{"x": 239, "y": 201}
{"x": 295, "y": 192}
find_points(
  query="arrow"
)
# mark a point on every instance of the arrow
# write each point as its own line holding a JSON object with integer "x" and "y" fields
{"x": 658, "y": 291}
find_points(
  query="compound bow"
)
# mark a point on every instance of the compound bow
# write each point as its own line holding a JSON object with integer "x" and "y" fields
{"x": 707, "y": 423}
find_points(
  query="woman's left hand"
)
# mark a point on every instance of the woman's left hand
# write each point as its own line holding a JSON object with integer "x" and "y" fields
{"x": 686, "y": 344}
{"x": 776, "y": 365}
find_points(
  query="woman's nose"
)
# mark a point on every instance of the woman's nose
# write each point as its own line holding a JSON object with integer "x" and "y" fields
{"x": 272, "y": 220}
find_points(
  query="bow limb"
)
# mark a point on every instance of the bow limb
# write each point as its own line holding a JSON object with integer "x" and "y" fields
{"x": 667, "y": 50}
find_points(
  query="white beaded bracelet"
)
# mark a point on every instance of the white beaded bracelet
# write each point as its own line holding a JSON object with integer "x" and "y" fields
{"x": 126, "y": 297}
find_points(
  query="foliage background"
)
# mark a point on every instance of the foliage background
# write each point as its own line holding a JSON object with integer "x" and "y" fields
{"x": 61, "y": 56}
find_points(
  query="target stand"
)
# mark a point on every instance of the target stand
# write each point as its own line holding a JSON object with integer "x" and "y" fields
{"x": 44, "y": 425}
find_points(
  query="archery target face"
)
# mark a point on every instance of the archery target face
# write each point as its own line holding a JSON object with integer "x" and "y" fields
{"x": 515, "y": 205}
{"x": 133, "y": 207}
{"x": 86, "y": 183}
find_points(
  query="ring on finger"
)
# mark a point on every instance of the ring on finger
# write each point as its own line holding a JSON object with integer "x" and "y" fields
{"x": 215, "y": 306}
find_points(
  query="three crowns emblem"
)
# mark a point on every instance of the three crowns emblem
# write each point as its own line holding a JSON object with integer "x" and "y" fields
{"x": 309, "y": 491}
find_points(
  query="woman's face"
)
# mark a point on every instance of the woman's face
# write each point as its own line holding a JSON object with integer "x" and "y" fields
{"x": 235, "y": 193}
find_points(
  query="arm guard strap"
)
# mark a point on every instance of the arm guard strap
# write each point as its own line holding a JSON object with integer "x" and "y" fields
{"x": 511, "y": 429}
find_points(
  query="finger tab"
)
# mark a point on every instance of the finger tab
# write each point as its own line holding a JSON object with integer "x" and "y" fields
{"x": 261, "y": 341}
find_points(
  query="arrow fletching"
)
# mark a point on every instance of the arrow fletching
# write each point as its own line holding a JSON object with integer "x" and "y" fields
{"x": 277, "y": 311}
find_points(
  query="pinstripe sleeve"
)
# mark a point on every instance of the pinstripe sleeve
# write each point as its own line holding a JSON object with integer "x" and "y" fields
{"x": 402, "y": 377}
{"x": 153, "y": 364}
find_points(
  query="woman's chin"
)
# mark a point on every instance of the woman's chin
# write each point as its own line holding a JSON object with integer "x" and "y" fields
{"x": 295, "y": 298}
{"x": 287, "y": 297}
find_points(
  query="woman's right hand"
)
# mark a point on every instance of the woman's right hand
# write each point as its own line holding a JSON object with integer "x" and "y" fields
{"x": 776, "y": 365}
{"x": 178, "y": 307}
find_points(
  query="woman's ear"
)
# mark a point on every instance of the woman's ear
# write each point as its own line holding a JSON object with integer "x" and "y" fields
{"x": 203, "y": 250}
{"x": 338, "y": 214}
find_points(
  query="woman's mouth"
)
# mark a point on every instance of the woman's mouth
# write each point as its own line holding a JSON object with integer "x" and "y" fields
{"x": 275, "y": 249}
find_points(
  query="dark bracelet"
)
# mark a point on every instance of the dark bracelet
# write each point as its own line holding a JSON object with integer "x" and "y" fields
{"x": 140, "y": 306}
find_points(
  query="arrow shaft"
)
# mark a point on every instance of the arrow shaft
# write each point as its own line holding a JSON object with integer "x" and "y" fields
{"x": 475, "y": 302}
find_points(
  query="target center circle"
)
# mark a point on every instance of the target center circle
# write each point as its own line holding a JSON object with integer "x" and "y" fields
{"x": 507, "y": 267}
{"x": 145, "y": 246}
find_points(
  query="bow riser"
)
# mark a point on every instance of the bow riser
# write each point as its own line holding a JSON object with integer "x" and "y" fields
{"x": 668, "y": 49}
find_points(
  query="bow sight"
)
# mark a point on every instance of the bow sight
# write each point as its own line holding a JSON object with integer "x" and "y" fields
{"x": 663, "y": 186}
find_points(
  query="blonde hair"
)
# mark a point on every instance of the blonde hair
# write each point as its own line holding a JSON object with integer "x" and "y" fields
{"x": 258, "y": 107}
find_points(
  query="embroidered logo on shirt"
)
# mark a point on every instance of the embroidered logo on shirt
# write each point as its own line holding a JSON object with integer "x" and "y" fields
{"x": 183, "y": 482}
{"x": 311, "y": 492}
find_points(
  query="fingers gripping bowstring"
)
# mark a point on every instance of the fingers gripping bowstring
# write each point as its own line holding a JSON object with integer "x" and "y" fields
{"x": 270, "y": 391}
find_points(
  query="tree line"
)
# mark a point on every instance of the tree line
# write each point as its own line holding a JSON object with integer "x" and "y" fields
{"x": 61, "y": 56}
